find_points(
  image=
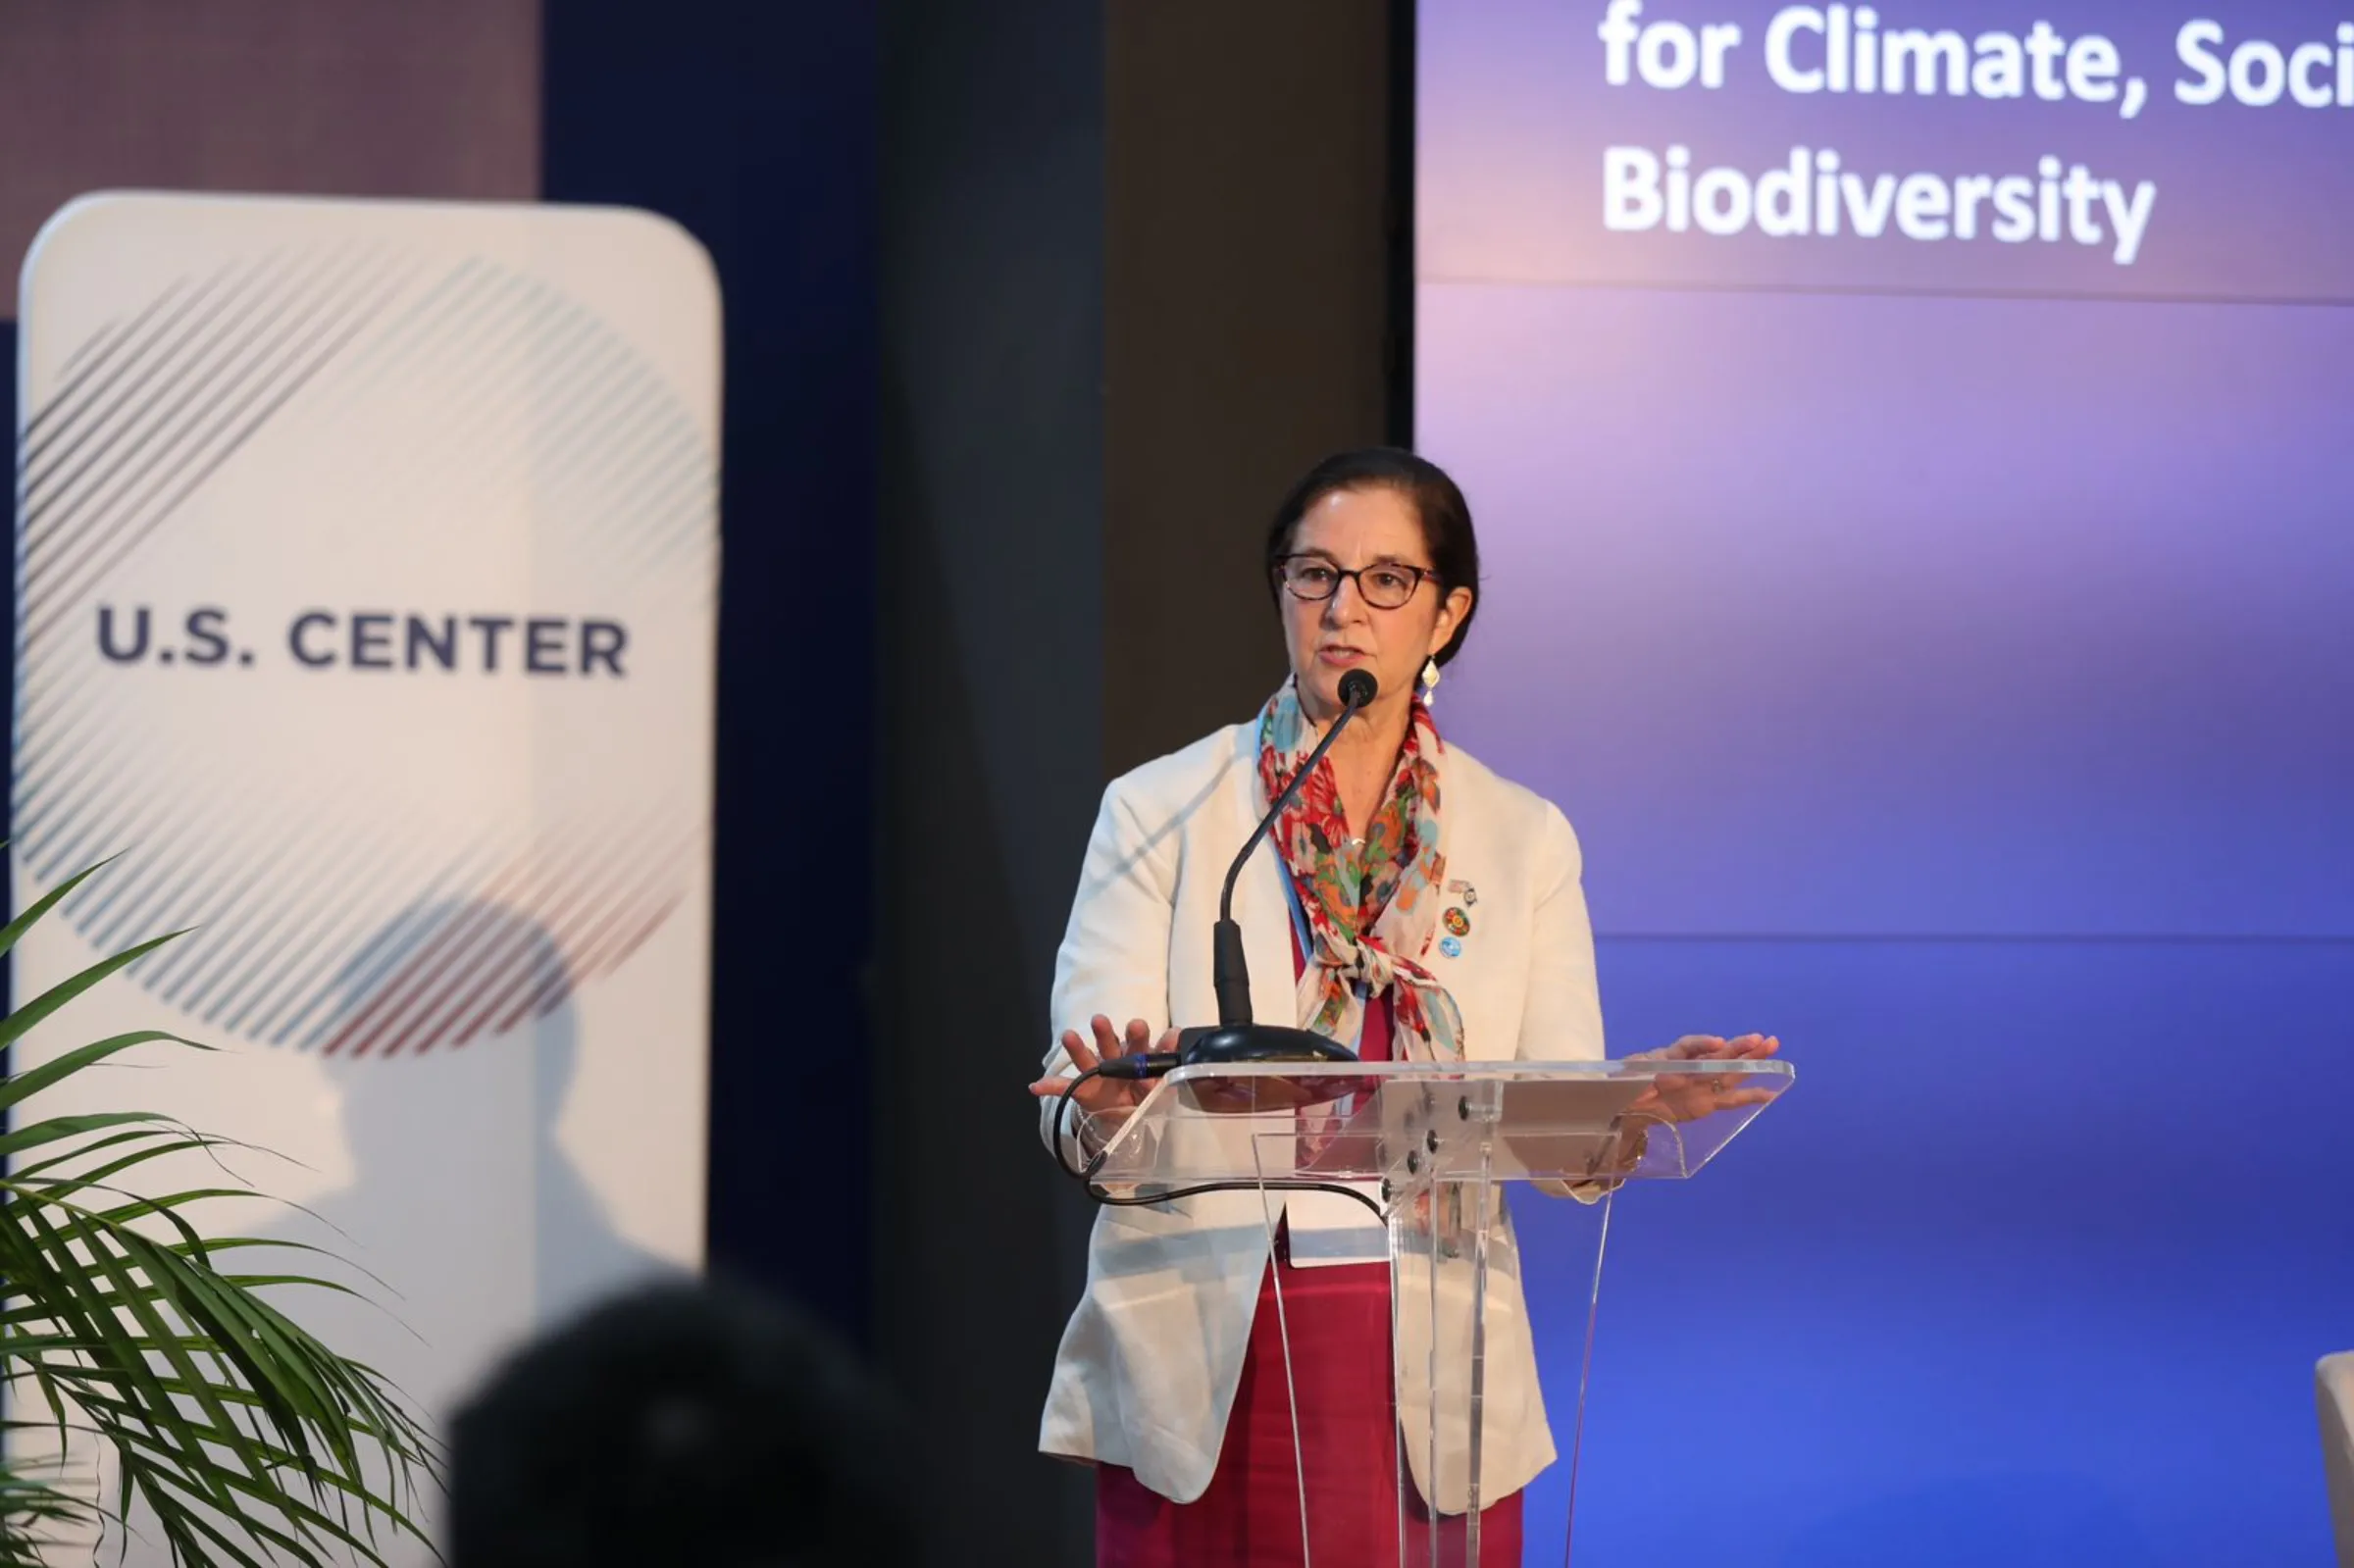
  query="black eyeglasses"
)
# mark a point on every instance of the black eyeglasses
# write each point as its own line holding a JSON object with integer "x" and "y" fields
{"x": 1385, "y": 584}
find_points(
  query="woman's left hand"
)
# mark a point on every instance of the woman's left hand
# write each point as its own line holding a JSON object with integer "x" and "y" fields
{"x": 1689, "y": 1096}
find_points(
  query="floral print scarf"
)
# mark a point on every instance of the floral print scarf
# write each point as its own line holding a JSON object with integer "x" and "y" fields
{"x": 1372, "y": 910}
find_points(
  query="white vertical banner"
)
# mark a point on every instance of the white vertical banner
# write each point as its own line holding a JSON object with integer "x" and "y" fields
{"x": 367, "y": 565}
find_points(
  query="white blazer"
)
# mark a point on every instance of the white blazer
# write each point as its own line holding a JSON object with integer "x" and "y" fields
{"x": 1148, "y": 1369}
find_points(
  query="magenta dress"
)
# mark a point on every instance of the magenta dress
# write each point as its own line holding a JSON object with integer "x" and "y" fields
{"x": 1250, "y": 1517}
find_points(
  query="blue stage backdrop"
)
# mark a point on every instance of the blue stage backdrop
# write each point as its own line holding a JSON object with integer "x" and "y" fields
{"x": 1911, "y": 448}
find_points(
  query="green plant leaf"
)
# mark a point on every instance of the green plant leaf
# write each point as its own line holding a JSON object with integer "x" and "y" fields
{"x": 17, "y": 928}
{"x": 13, "y": 1027}
{"x": 237, "y": 1436}
{"x": 20, "y": 1087}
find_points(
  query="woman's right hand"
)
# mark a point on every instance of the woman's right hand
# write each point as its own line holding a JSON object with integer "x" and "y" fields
{"x": 1099, "y": 1094}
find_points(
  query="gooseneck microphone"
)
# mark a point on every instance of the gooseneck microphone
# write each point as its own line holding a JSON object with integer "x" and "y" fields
{"x": 1234, "y": 1037}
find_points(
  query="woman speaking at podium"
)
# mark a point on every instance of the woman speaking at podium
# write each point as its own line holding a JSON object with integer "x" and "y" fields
{"x": 1427, "y": 910}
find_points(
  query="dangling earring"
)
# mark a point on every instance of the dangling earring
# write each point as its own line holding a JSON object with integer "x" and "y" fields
{"x": 1430, "y": 680}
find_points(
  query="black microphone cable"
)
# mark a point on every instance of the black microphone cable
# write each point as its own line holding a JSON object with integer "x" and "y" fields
{"x": 1109, "y": 1199}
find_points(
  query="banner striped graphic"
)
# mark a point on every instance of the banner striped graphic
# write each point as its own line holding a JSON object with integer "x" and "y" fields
{"x": 357, "y": 924}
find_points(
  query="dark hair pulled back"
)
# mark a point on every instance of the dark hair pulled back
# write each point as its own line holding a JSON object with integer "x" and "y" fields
{"x": 1438, "y": 506}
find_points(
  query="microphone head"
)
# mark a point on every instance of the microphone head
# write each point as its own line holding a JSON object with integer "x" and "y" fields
{"x": 1358, "y": 687}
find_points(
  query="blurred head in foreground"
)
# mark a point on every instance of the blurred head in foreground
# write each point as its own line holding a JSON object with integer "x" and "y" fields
{"x": 677, "y": 1425}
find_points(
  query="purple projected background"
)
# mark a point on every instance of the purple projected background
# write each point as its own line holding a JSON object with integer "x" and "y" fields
{"x": 1916, "y": 615}
{"x": 1943, "y": 649}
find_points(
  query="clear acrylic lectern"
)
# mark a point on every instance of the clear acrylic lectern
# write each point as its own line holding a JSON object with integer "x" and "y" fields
{"x": 1427, "y": 1146}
